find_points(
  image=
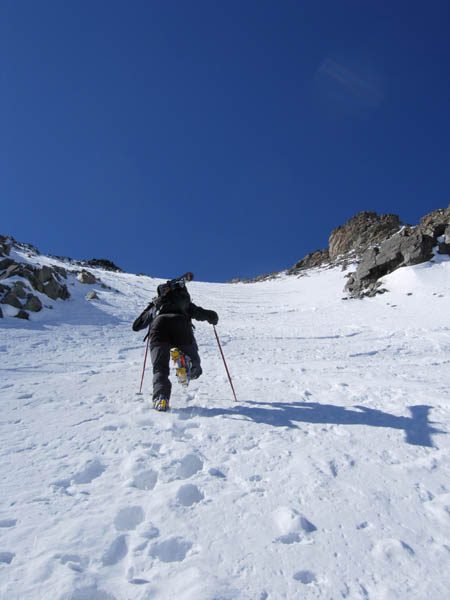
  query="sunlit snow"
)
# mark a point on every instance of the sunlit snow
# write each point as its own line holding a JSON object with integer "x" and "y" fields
{"x": 328, "y": 479}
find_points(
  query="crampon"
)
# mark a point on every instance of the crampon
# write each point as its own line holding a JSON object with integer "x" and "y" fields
{"x": 182, "y": 366}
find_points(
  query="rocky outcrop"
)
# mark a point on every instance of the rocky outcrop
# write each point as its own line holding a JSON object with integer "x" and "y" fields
{"x": 86, "y": 277}
{"x": 33, "y": 304}
{"x": 19, "y": 292}
{"x": 22, "y": 314}
{"x": 436, "y": 223}
{"x": 102, "y": 263}
{"x": 410, "y": 246}
{"x": 5, "y": 245}
{"x": 362, "y": 231}
{"x": 378, "y": 244}
{"x": 346, "y": 243}
{"x": 311, "y": 261}
{"x": 21, "y": 282}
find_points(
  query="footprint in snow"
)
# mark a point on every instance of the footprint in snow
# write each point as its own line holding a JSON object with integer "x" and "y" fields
{"x": 216, "y": 473}
{"x": 8, "y": 522}
{"x": 182, "y": 433}
{"x": 148, "y": 531}
{"x": 6, "y": 557}
{"x": 291, "y": 525}
{"x": 171, "y": 550}
{"x": 189, "y": 465}
{"x": 189, "y": 494}
{"x": 129, "y": 518}
{"x": 73, "y": 561}
{"x": 333, "y": 468}
{"x": 90, "y": 592}
{"x": 144, "y": 421}
{"x": 91, "y": 470}
{"x": 393, "y": 551}
{"x": 116, "y": 552}
{"x": 145, "y": 480}
{"x": 305, "y": 577}
{"x": 99, "y": 398}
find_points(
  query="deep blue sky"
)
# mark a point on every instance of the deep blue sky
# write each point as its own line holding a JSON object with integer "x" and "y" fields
{"x": 223, "y": 137}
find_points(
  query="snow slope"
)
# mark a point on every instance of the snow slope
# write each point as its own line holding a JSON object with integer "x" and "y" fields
{"x": 330, "y": 478}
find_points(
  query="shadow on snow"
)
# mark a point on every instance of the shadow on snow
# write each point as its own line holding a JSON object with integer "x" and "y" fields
{"x": 417, "y": 427}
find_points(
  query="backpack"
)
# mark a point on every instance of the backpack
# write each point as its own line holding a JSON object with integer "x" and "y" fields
{"x": 172, "y": 297}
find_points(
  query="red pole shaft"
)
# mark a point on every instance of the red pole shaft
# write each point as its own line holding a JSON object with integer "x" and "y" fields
{"x": 145, "y": 360}
{"x": 225, "y": 363}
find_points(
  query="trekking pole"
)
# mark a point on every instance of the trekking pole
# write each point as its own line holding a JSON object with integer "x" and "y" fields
{"x": 143, "y": 370}
{"x": 225, "y": 363}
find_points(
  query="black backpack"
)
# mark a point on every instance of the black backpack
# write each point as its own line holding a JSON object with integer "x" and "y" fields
{"x": 172, "y": 297}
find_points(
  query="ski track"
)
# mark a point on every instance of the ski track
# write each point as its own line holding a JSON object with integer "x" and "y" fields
{"x": 328, "y": 479}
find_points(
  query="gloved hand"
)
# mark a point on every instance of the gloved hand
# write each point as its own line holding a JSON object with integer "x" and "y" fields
{"x": 213, "y": 317}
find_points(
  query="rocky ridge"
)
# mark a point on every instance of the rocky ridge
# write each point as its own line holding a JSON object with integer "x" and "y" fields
{"x": 406, "y": 247}
{"x": 377, "y": 245}
{"x": 28, "y": 288}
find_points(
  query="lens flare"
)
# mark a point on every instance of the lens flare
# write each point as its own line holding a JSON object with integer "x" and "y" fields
{"x": 350, "y": 85}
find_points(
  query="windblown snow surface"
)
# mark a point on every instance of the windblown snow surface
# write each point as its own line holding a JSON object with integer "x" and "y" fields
{"x": 328, "y": 479}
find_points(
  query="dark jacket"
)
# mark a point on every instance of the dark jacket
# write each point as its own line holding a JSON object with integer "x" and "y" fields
{"x": 174, "y": 301}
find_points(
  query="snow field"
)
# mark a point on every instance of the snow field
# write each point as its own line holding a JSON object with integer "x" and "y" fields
{"x": 328, "y": 479}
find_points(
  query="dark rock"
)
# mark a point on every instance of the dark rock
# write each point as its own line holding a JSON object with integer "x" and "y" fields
{"x": 1, "y": 313}
{"x": 33, "y": 304}
{"x": 60, "y": 271}
{"x": 13, "y": 269}
{"x": 32, "y": 278}
{"x": 265, "y": 277}
{"x": 5, "y": 263}
{"x": 22, "y": 315}
{"x": 92, "y": 296}
{"x": 64, "y": 293}
{"x": 5, "y": 245}
{"x": 86, "y": 277}
{"x": 435, "y": 223}
{"x": 447, "y": 235}
{"x": 408, "y": 247}
{"x": 45, "y": 274}
{"x": 103, "y": 263}
{"x": 18, "y": 290}
{"x": 310, "y": 261}
{"x": 52, "y": 289}
{"x": 362, "y": 231}
{"x": 12, "y": 300}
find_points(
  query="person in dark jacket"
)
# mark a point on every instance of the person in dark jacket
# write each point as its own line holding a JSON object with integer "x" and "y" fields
{"x": 170, "y": 320}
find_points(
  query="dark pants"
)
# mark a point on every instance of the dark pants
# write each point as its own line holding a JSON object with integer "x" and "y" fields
{"x": 171, "y": 331}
